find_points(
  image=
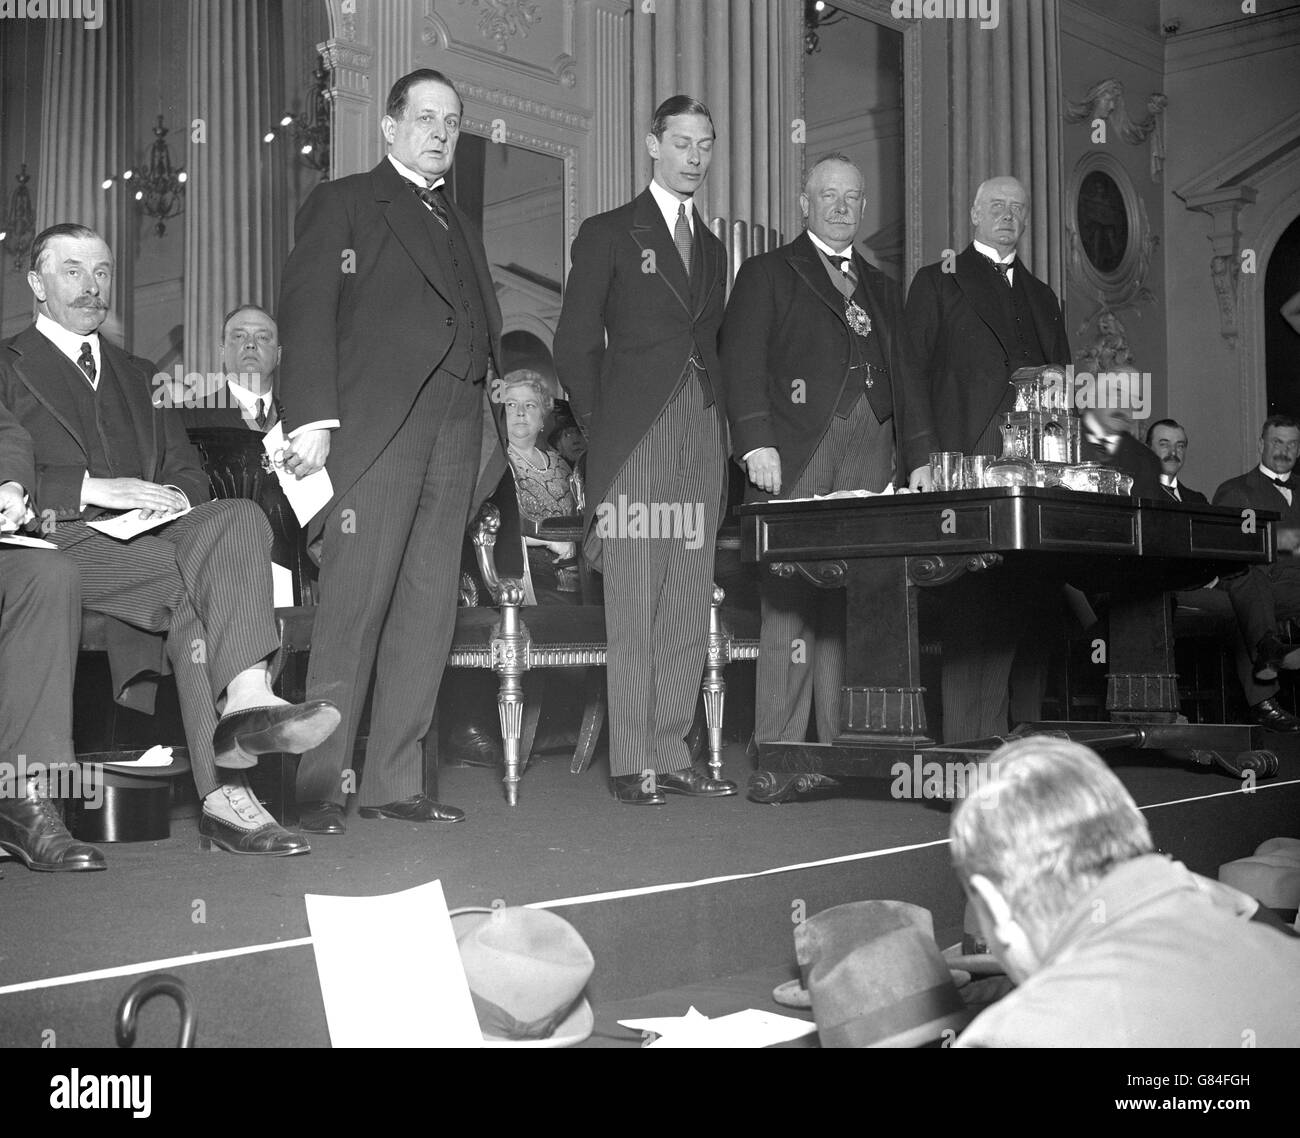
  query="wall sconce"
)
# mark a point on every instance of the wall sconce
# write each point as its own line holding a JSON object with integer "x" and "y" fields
{"x": 19, "y": 222}
{"x": 817, "y": 14}
{"x": 310, "y": 132}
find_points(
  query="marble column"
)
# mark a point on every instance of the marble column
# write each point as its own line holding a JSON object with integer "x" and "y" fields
{"x": 236, "y": 240}
{"x": 744, "y": 60}
{"x": 86, "y": 138}
{"x": 1006, "y": 119}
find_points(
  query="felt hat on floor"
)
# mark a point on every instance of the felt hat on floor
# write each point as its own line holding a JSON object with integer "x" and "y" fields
{"x": 527, "y": 971}
{"x": 1282, "y": 847}
{"x": 875, "y": 978}
{"x": 1273, "y": 879}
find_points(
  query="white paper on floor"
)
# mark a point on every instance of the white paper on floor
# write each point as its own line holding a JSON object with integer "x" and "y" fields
{"x": 750, "y": 1028}
{"x": 390, "y": 972}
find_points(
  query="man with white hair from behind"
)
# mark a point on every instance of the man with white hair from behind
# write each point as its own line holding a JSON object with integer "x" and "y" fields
{"x": 1110, "y": 943}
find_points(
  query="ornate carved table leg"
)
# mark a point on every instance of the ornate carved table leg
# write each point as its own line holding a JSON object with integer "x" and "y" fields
{"x": 510, "y": 644}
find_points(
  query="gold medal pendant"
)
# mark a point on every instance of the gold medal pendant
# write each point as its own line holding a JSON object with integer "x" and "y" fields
{"x": 857, "y": 317}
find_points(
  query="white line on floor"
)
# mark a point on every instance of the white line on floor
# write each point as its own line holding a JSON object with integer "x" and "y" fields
{"x": 585, "y": 899}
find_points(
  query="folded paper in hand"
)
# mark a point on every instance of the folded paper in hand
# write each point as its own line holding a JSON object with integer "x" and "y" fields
{"x": 307, "y": 495}
{"x": 125, "y": 526}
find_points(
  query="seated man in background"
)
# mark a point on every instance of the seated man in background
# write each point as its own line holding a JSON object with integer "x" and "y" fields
{"x": 250, "y": 353}
{"x": 1168, "y": 442}
{"x": 1265, "y": 594}
{"x": 1110, "y": 943}
{"x": 101, "y": 445}
{"x": 40, "y": 624}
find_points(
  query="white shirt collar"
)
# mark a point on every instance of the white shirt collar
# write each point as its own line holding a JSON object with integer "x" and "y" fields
{"x": 1264, "y": 470}
{"x": 1166, "y": 480}
{"x": 69, "y": 343}
{"x": 250, "y": 401}
{"x": 668, "y": 203}
{"x": 412, "y": 176}
{"x": 993, "y": 255}
{"x": 835, "y": 257}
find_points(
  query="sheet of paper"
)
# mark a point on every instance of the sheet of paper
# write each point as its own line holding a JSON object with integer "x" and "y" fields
{"x": 125, "y": 526}
{"x": 307, "y": 496}
{"x": 841, "y": 494}
{"x": 281, "y": 586}
{"x": 155, "y": 756}
{"x": 30, "y": 542}
{"x": 748, "y": 1028}
{"x": 390, "y": 972}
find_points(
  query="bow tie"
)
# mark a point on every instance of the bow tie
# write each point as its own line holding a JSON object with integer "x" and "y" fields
{"x": 1283, "y": 483}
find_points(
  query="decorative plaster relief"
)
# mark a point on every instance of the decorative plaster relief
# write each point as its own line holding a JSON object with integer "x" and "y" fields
{"x": 1105, "y": 101}
{"x": 501, "y": 19}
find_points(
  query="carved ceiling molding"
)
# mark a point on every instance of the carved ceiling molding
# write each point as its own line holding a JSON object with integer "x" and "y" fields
{"x": 562, "y": 69}
{"x": 519, "y": 104}
{"x": 500, "y": 20}
{"x": 1105, "y": 102}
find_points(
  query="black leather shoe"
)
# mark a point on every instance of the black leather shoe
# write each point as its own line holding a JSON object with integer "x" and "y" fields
{"x": 472, "y": 746}
{"x": 31, "y": 830}
{"x": 421, "y": 808}
{"x": 695, "y": 783}
{"x": 290, "y": 728}
{"x": 1268, "y": 715}
{"x": 271, "y": 839}
{"x": 1272, "y": 655}
{"x": 631, "y": 789}
{"x": 321, "y": 818}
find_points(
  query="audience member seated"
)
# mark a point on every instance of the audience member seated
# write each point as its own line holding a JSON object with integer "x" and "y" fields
{"x": 544, "y": 484}
{"x": 1168, "y": 442}
{"x": 102, "y": 446}
{"x": 40, "y": 623}
{"x": 1107, "y": 439}
{"x": 1110, "y": 943}
{"x": 569, "y": 441}
{"x": 1265, "y": 594}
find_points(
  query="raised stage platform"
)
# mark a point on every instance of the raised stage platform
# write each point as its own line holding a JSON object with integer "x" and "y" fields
{"x": 671, "y": 899}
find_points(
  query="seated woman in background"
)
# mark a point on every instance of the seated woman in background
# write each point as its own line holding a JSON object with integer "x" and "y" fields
{"x": 543, "y": 483}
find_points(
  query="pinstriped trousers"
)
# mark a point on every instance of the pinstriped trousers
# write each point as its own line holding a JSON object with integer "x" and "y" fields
{"x": 390, "y": 570}
{"x": 204, "y": 579}
{"x": 657, "y": 587}
{"x": 801, "y": 642}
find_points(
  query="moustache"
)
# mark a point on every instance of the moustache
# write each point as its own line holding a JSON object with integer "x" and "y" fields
{"x": 89, "y": 302}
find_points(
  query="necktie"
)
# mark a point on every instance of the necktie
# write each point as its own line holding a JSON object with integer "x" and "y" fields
{"x": 1172, "y": 491}
{"x": 850, "y": 274}
{"x": 1005, "y": 271}
{"x": 263, "y": 416}
{"x": 86, "y": 361}
{"x": 682, "y": 236}
{"x": 433, "y": 199}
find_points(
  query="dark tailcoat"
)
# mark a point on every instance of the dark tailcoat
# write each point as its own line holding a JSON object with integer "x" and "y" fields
{"x": 1190, "y": 497}
{"x": 366, "y": 314}
{"x": 629, "y": 278}
{"x": 785, "y": 324}
{"x": 964, "y": 346}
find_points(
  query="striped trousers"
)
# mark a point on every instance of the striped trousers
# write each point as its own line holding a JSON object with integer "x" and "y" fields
{"x": 658, "y": 527}
{"x": 205, "y": 580}
{"x": 801, "y": 641}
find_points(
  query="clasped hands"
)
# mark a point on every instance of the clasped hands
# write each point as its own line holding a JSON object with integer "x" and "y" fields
{"x": 152, "y": 500}
{"x": 764, "y": 469}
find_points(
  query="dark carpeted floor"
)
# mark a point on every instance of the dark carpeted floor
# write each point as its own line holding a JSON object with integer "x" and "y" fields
{"x": 566, "y": 839}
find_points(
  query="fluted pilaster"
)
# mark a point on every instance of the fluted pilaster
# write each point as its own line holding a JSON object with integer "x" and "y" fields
{"x": 235, "y": 240}
{"x": 614, "y": 136}
{"x": 743, "y": 58}
{"x": 1006, "y": 120}
{"x": 86, "y": 138}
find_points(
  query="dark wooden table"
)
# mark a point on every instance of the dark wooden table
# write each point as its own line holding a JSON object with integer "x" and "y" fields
{"x": 883, "y": 550}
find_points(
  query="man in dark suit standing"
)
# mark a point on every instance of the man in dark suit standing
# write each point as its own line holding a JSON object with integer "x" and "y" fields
{"x": 636, "y": 348}
{"x": 1265, "y": 594}
{"x": 389, "y": 324}
{"x": 1168, "y": 442}
{"x": 101, "y": 444}
{"x": 822, "y": 394}
{"x": 975, "y": 321}
{"x": 40, "y": 622}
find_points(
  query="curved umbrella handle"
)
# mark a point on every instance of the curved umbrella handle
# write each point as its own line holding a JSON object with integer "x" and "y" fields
{"x": 142, "y": 991}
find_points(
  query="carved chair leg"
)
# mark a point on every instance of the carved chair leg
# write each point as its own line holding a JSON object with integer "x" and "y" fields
{"x": 510, "y": 709}
{"x": 713, "y": 685}
{"x": 510, "y": 661}
{"x": 593, "y": 719}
